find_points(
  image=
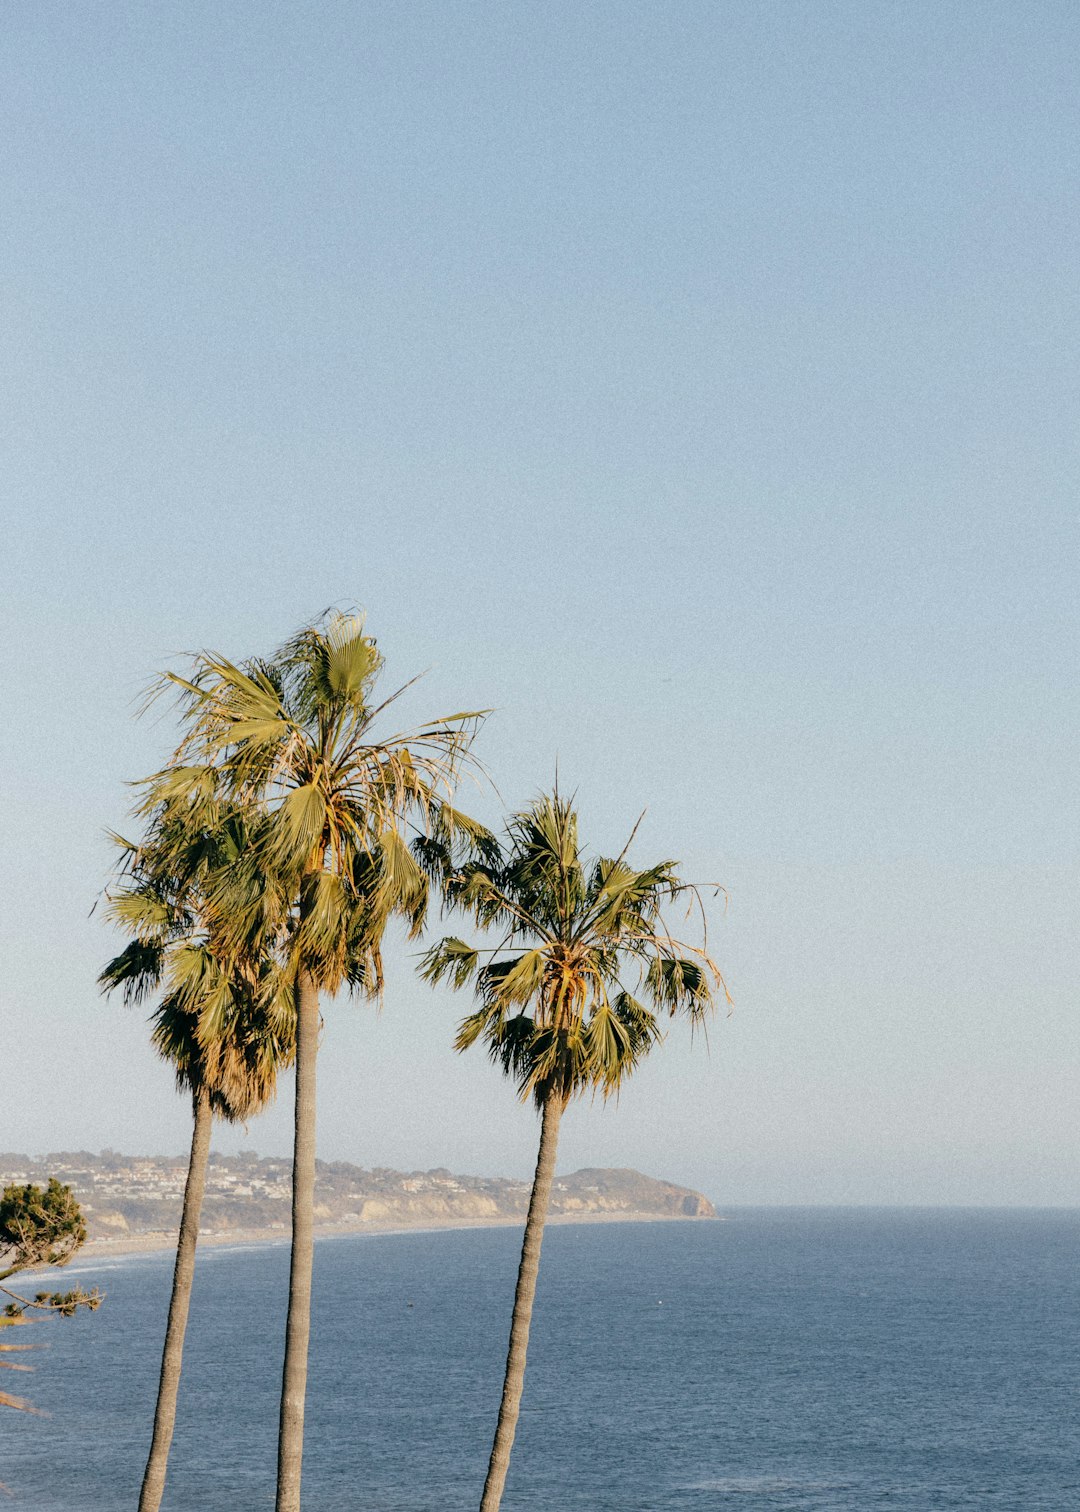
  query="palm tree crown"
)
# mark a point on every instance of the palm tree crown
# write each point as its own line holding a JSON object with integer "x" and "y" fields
{"x": 295, "y": 739}
{"x": 225, "y": 1017}
{"x": 558, "y": 1015}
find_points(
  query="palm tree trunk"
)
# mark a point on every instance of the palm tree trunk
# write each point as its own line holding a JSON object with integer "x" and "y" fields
{"x": 514, "y": 1379}
{"x": 298, "y": 1327}
{"x": 153, "y": 1485}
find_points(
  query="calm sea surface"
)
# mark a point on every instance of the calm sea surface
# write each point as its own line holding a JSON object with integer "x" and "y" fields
{"x": 782, "y": 1359}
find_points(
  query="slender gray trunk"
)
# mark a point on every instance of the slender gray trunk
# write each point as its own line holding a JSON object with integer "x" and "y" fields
{"x": 514, "y": 1379}
{"x": 298, "y": 1327}
{"x": 153, "y": 1485}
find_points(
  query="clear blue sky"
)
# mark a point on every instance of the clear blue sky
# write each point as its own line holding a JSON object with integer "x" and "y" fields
{"x": 696, "y": 384}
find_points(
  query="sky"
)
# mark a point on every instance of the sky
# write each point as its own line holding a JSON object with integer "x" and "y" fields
{"x": 695, "y": 386}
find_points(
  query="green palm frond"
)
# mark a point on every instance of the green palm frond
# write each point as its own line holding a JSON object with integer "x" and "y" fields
{"x": 453, "y": 842}
{"x": 680, "y": 983}
{"x": 434, "y": 858}
{"x": 295, "y": 830}
{"x": 606, "y": 1043}
{"x": 136, "y": 971}
{"x": 189, "y": 785}
{"x": 174, "y": 1035}
{"x": 620, "y": 897}
{"x": 147, "y": 917}
{"x": 327, "y": 906}
{"x": 555, "y": 1016}
{"x": 402, "y": 886}
{"x": 337, "y": 665}
{"x": 453, "y": 825}
{"x": 514, "y": 982}
{"x": 450, "y": 958}
{"x": 642, "y": 1027}
{"x": 486, "y": 1023}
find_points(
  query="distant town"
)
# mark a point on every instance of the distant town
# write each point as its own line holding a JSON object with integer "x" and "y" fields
{"x": 132, "y": 1196}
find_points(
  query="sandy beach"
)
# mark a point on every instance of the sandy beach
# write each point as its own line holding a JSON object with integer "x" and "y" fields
{"x": 133, "y": 1244}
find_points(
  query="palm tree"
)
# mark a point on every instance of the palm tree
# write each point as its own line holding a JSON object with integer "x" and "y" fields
{"x": 554, "y": 1011}
{"x": 224, "y": 1024}
{"x": 296, "y": 740}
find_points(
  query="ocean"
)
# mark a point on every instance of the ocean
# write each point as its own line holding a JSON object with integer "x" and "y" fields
{"x": 849, "y": 1360}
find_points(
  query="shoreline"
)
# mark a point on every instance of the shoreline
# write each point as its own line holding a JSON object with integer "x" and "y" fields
{"x": 101, "y": 1246}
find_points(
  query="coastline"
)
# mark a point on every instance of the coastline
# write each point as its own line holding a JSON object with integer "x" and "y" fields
{"x": 100, "y": 1246}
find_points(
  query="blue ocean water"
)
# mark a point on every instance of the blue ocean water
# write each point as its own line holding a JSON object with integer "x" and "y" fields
{"x": 782, "y": 1359}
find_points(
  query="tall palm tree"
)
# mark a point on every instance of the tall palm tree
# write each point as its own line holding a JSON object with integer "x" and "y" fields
{"x": 297, "y": 741}
{"x": 223, "y": 1022}
{"x": 555, "y": 1012}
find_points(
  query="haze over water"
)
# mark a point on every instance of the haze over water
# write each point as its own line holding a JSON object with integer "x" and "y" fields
{"x": 779, "y": 1361}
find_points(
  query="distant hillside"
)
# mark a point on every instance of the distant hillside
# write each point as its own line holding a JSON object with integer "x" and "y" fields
{"x": 134, "y": 1195}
